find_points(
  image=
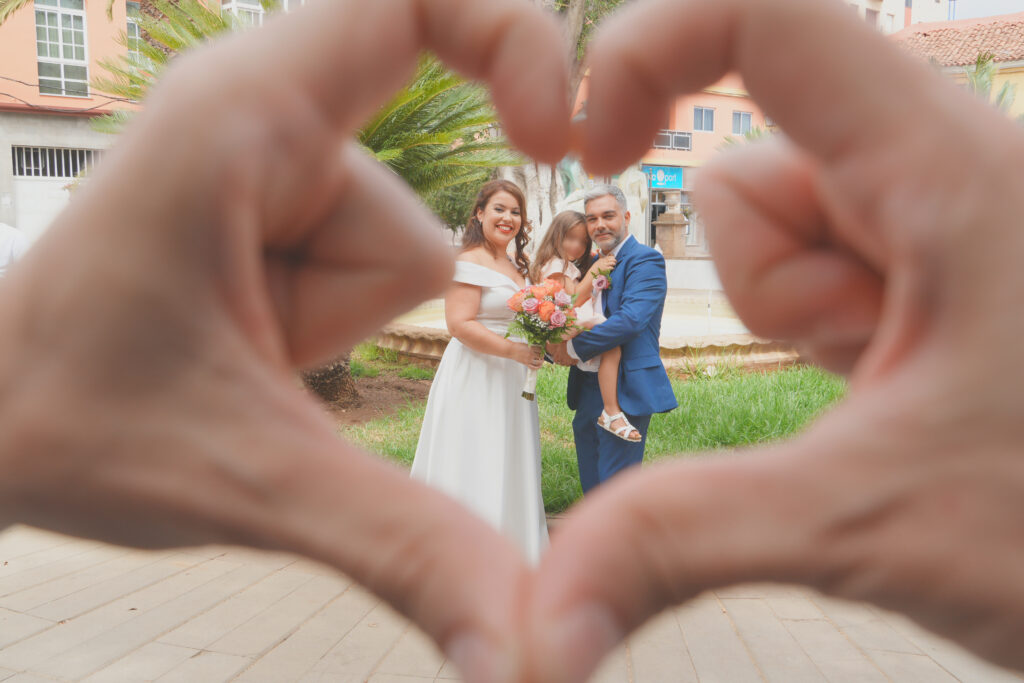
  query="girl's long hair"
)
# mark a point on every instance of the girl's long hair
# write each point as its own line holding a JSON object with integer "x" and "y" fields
{"x": 551, "y": 246}
{"x": 473, "y": 236}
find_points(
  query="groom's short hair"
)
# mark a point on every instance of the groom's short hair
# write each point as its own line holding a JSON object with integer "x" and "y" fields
{"x": 601, "y": 190}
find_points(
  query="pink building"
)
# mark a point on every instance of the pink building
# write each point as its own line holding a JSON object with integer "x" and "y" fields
{"x": 49, "y": 52}
{"x": 697, "y": 128}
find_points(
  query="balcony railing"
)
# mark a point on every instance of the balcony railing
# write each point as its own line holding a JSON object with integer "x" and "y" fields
{"x": 673, "y": 139}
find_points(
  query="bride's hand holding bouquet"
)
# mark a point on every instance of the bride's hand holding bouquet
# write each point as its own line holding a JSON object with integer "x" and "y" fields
{"x": 544, "y": 314}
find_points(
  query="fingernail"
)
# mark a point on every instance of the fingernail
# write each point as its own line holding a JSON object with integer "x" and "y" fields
{"x": 580, "y": 639}
{"x": 479, "y": 660}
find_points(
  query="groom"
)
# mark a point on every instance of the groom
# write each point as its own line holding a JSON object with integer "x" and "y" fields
{"x": 633, "y": 306}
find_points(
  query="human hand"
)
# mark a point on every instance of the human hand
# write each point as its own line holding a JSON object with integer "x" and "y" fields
{"x": 560, "y": 355}
{"x": 530, "y": 356}
{"x": 606, "y": 262}
{"x": 889, "y": 250}
{"x": 163, "y": 315}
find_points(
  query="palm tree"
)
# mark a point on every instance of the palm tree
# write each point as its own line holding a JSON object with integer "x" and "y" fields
{"x": 753, "y": 135}
{"x": 440, "y": 135}
{"x": 9, "y": 7}
{"x": 981, "y": 80}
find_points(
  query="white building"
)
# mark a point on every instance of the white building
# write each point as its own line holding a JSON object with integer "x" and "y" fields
{"x": 889, "y": 16}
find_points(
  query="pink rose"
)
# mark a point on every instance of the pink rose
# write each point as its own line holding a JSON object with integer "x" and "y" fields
{"x": 557, "y": 318}
{"x": 601, "y": 282}
{"x": 562, "y": 298}
{"x": 530, "y": 305}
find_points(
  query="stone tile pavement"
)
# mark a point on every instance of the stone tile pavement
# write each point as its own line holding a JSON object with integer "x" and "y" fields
{"x": 74, "y": 610}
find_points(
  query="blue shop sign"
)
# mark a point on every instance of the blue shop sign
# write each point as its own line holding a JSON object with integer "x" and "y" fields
{"x": 664, "y": 177}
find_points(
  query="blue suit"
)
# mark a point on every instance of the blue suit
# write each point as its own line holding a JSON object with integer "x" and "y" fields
{"x": 633, "y": 307}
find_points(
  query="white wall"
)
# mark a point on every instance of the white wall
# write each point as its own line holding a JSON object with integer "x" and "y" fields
{"x": 36, "y": 201}
{"x": 930, "y": 10}
{"x": 692, "y": 274}
{"x": 885, "y": 8}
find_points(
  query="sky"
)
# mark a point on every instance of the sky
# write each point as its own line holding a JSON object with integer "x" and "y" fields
{"x": 968, "y": 9}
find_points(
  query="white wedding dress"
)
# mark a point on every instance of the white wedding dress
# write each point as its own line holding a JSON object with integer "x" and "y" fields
{"x": 480, "y": 441}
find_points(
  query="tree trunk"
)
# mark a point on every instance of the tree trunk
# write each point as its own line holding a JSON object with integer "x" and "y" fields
{"x": 333, "y": 383}
{"x": 543, "y": 184}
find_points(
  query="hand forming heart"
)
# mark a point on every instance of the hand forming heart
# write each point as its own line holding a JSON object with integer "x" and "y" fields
{"x": 163, "y": 318}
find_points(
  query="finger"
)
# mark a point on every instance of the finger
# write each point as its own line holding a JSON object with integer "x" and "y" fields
{"x": 657, "y": 537}
{"x": 412, "y": 551}
{"x": 224, "y": 448}
{"x": 377, "y": 254}
{"x": 512, "y": 45}
{"x": 787, "y": 275}
{"x": 824, "y": 110}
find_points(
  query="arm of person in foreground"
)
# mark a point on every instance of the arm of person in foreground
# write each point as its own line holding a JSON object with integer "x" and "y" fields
{"x": 270, "y": 243}
{"x": 887, "y": 246}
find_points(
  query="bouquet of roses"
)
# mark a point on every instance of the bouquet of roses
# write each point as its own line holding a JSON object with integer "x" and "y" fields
{"x": 544, "y": 313}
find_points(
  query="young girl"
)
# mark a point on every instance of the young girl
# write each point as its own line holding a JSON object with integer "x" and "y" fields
{"x": 563, "y": 256}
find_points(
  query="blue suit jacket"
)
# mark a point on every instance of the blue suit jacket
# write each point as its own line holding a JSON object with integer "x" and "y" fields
{"x": 633, "y": 306}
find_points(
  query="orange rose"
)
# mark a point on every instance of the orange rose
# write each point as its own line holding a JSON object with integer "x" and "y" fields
{"x": 516, "y": 302}
{"x": 556, "y": 287}
{"x": 538, "y": 291}
{"x": 545, "y": 310}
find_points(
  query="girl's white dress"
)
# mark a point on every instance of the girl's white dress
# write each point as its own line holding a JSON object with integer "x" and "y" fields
{"x": 587, "y": 311}
{"x": 480, "y": 441}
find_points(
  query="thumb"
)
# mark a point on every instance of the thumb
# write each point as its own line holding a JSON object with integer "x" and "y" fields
{"x": 659, "y": 536}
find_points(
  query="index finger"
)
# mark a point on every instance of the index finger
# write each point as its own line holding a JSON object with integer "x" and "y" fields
{"x": 848, "y": 74}
{"x": 512, "y": 45}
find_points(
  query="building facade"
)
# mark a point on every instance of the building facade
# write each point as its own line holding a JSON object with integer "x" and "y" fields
{"x": 50, "y": 53}
{"x": 890, "y": 16}
{"x": 955, "y": 45}
{"x": 697, "y": 127}
{"x": 50, "y": 50}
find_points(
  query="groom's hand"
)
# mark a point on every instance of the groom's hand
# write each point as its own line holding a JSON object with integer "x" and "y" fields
{"x": 560, "y": 355}
{"x": 235, "y": 234}
{"x": 887, "y": 244}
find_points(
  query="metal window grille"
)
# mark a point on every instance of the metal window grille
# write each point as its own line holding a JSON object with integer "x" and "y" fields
{"x": 52, "y": 162}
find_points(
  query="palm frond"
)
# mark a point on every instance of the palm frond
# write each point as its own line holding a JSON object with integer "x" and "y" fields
{"x": 9, "y": 7}
{"x": 111, "y": 123}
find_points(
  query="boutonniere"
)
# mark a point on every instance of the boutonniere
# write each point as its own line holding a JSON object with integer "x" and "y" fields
{"x": 603, "y": 280}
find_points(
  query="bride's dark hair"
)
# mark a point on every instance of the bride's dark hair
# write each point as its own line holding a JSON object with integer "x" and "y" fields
{"x": 474, "y": 233}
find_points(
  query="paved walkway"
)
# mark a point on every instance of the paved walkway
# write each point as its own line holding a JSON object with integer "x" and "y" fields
{"x": 73, "y": 610}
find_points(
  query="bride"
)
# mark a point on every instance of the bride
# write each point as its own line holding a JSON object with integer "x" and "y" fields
{"x": 480, "y": 441}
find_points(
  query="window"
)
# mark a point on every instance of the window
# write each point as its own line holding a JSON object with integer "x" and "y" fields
{"x": 673, "y": 139}
{"x": 890, "y": 23}
{"x": 133, "y": 34}
{"x": 871, "y": 16}
{"x": 51, "y": 162}
{"x": 60, "y": 48}
{"x": 292, "y": 5}
{"x": 249, "y": 12}
{"x": 740, "y": 122}
{"x": 704, "y": 119}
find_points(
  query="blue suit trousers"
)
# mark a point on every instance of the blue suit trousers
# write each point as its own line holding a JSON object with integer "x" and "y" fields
{"x": 599, "y": 453}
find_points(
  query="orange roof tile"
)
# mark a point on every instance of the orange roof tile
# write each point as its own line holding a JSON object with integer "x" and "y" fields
{"x": 958, "y": 43}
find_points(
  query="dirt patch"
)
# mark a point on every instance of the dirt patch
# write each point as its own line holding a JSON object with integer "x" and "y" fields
{"x": 381, "y": 396}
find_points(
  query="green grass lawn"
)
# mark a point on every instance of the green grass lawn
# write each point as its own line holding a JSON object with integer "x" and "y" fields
{"x": 731, "y": 410}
